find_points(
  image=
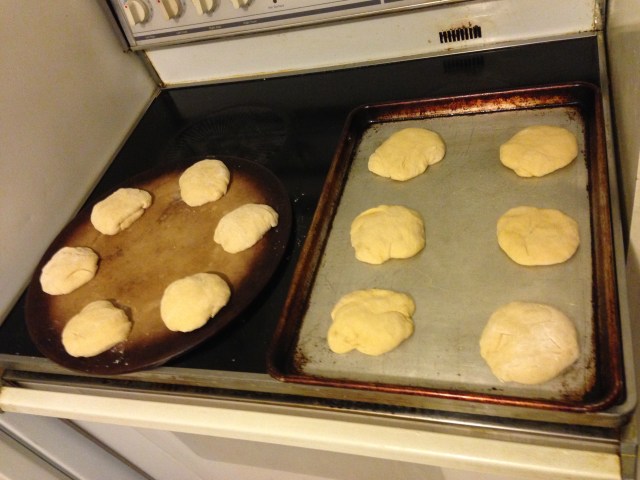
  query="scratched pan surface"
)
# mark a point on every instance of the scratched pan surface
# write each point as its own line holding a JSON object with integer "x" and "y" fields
{"x": 462, "y": 275}
{"x": 171, "y": 240}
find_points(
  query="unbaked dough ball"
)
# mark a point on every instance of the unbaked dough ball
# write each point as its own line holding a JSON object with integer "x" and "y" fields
{"x": 243, "y": 227}
{"x": 539, "y": 150}
{"x": 528, "y": 343}
{"x": 119, "y": 210}
{"x": 407, "y": 153}
{"x": 372, "y": 321}
{"x": 188, "y": 303}
{"x": 68, "y": 269}
{"x": 387, "y": 231}
{"x": 98, "y": 327}
{"x": 537, "y": 236}
{"x": 203, "y": 182}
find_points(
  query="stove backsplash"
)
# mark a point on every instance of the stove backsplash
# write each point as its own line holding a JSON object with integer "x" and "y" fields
{"x": 433, "y": 29}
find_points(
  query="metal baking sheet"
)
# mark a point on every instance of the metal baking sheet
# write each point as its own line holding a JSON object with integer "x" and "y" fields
{"x": 170, "y": 241}
{"x": 462, "y": 275}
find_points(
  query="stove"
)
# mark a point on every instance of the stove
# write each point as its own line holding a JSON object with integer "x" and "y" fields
{"x": 292, "y": 125}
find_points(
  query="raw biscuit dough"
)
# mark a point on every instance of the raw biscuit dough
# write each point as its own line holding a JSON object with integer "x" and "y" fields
{"x": 243, "y": 227}
{"x": 537, "y": 236}
{"x": 539, "y": 150}
{"x": 387, "y": 231}
{"x": 98, "y": 327}
{"x": 119, "y": 210}
{"x": 203, "y": 182}
{"x": 188, "y": 303}
{"x": 407, "y": 153}
{"x": 373, "y": 321}
{"x": 528, "y": 343}
{"x": 68, "y": 269}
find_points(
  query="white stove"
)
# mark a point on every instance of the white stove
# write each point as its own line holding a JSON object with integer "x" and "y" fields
{"x": 187, "y": 62}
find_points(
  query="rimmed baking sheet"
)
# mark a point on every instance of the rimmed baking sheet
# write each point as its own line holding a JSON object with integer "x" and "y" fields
{"x": 461, "y": 276}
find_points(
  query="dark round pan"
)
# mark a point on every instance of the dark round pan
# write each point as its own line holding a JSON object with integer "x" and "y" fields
{"x": 171, "y": 240}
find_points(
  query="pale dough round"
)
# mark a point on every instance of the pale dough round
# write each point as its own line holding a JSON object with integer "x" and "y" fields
{"x": 119, "y": 210}
{"x": 373, "y": 321}
{"x": 407, "y": 153}
{"x": 203, "y": 182}
{"x": 98, "y": 327}
{"x": 539, "y": 150}
{"x": 243, "y": 227}
{"x": 188, "y": 303}
{"x": 537, "y": 236}
{"x": 68, "y": 269}
{"x": 529, "y": 343}
{"x": 387, "y": 231}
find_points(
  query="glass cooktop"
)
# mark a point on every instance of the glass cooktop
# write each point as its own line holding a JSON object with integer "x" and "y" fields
{"x": 292, "y": 126}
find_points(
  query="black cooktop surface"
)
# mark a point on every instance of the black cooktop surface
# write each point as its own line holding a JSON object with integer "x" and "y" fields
{"x": 292, "y": 126}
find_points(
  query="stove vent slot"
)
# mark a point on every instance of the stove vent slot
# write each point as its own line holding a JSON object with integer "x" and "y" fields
{"x": 466, "y": 65}
{"x": 461, "y": 33}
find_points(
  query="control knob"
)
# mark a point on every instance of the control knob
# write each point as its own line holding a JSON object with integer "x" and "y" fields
{"x": 204, "y": 6}
{"x": 240, "y": 3}
{"x": 170, "y": 8}
{"x": 136, "y": 11}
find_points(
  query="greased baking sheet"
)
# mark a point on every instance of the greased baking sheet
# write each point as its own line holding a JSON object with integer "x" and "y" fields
{"x": 462, "y": 275}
